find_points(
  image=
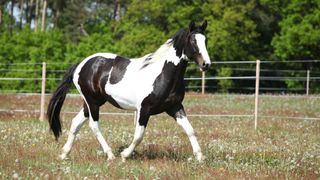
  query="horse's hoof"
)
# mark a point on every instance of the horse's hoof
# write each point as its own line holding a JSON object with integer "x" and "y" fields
{"x": 125, "y": 153}
{"x": 199, "y": 157}
{"x": 62, "y": 157}
{"x": 111, "y": 157}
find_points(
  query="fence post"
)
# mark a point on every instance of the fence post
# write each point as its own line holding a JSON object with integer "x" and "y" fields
{"x": 256, "y": 94}
{"x": 203, "y": 83}
{"x": 308, "y": 82}
{"x": 135, "y": 118}
{"x": 43, "y": 91}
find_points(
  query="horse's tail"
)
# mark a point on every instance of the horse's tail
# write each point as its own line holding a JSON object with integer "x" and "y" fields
{"x": 56, "y": 101}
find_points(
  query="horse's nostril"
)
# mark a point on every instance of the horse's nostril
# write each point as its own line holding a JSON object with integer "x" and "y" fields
{"x": 205, "y": 65}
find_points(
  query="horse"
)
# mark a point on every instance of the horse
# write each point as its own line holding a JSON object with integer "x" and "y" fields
{"x": 148, "y": 85}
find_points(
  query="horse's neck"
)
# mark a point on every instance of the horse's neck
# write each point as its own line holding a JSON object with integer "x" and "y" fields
{"x": 168, "y": 54}
{"x": 165, "y": 52}
{"x": 180, "y": 70}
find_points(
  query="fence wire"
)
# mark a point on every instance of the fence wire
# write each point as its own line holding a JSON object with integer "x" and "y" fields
{"x": 240, "y": 80}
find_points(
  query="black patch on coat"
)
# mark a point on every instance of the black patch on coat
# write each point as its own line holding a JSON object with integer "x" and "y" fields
{"x": 149, "y": 57}
{"x": 92, "y": 80}
{"x": 119, "y": 69}
{"x": 177, "y": 111}
{"x": 168, "y": 91}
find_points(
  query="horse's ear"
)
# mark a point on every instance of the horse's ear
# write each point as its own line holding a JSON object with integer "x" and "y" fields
{"x": 192, "y": 26}
{"x": 204, "y": 25}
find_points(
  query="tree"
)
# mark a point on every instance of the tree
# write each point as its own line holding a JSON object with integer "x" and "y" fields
{"x": 44, "y": 15}
{"x": 36, "y": 17}
{"x": 299, "y": 37}
{"x": 57, "y": 7}
{"x": 11, "y": 17}
{"x": 27, "y": 46}
{"x": 1, "y": 13}
{"x": 73, "y": 16}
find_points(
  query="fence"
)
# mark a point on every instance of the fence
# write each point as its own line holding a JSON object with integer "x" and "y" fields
{"x": 257, "y": 78}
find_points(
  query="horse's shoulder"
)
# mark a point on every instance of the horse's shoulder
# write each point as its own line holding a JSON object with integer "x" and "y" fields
{"x": 121, "y": 62}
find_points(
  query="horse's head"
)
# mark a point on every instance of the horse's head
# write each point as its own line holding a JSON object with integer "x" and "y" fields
{"x": 195, "y": 46}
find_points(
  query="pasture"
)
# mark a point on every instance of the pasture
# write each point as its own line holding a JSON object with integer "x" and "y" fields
{"x": 285, "y": 148}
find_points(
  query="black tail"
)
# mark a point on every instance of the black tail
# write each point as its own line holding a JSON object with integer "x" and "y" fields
{"x": 56, "y": 101}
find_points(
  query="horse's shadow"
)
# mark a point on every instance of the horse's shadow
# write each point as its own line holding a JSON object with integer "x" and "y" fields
{"x": 155, "y": 152}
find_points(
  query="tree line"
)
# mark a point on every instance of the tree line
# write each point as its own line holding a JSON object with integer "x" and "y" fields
{"x": 61, "y": 32}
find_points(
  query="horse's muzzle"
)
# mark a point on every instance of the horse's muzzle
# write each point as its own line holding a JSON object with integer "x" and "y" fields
{"x": 204, "y": 66}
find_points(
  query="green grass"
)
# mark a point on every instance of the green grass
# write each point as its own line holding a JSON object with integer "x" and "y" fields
{"x": 279, "y": 148}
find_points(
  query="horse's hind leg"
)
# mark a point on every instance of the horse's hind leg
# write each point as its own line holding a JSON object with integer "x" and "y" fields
{"x": 94, "y": 125}
{"x": 76, "y": 124}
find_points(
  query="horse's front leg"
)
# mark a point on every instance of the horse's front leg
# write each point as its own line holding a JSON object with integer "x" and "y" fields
{"x": 142, "y": 120}
{"x": 179, "y": 115}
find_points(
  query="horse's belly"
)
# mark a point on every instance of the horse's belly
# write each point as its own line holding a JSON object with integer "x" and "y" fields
{"x": 129, "y": 94}
{"x": 125, "y": 99}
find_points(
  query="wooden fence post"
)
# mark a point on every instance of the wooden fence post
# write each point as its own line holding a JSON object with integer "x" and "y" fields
{"x": 135, "y": 118}
{"x": 203, "y": 83}
{"x": 308, "y": 82}
{"x": 43, "y": 92}
{"x": 256, "y": 94}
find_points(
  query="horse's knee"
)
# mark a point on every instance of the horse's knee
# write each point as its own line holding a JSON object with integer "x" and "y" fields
{"x": 138, "y": 140}
{"x": 138, "y": 135}
{"x": 185, "y": 124}
{"x": 94, "y": 125}
{"x": 77, "y": 122}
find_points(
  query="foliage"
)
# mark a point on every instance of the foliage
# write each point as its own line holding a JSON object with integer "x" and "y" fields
{"x": 299, "y": 37}
{"x": 224, "y": 85}
{"x": 23, "y": 51}
{"x": 237, "y": 30}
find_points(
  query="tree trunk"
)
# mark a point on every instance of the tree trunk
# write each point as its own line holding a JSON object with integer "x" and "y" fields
{"x": 44, "y": 15}
{"x": 56, "y": 18}
{"x": 21, "y": 13}
{"x": 11, "y": 17}
{"x": 117, "y": 10}
{"x": 29, "y": 11}
{"x": 1, "y": 7}
{"x": 36, "y": 16}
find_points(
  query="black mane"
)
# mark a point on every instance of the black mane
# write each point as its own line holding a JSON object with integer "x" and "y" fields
{"x": 180, "y": 39}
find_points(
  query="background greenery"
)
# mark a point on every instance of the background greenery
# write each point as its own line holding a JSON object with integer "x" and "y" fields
{"x": 238, "y": 30}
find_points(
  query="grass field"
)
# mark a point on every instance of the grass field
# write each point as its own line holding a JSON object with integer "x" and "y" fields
{"x": 279, "y": 148}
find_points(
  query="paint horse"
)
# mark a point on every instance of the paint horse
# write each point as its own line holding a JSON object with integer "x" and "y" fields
{"x": 149, "y": 85}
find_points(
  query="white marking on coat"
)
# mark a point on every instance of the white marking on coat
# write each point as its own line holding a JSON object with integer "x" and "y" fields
{"x": 76, "y": 124}
{"x": 185, "y": 124}
{"x": 201, "y": 43}
{"x": 95, "y": 127}
{"x": 141, "y": 79}
{"x": 138, "y": 136}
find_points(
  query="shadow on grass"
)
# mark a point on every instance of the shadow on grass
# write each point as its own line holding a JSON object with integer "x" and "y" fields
{"x": 158, "y": 152}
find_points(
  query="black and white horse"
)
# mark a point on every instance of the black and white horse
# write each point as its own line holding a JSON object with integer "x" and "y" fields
{"x": 149, "y": 85}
